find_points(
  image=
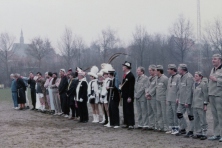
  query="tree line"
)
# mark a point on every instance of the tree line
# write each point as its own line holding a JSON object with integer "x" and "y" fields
{"x": 178, "y": 46}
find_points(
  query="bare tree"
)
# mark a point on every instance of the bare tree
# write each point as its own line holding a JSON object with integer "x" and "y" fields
{"x": 108, "y": 41}
{"x": 39, "y": 48}
{"x": 79, "y": 46}
{"x": 6, "y": 51}
{"x": 140, "y": 43}
{"x": 181, "y": 35}
{"x": 214, "y": 35}
{"x": 67, "y": 47}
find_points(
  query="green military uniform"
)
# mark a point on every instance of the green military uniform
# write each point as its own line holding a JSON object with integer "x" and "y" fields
{"x": 141, "y": 101}
{"x": 215, "y": 98}
{"x": 161, "y": 92}
{"x": 172, "y": 95}
{"x": 185, "y": 97}
{"x": 151, "y": 104}
{"x": 200, "y": 98}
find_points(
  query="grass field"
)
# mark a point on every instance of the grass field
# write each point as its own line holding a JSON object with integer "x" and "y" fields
{"x": 5, "y": 94}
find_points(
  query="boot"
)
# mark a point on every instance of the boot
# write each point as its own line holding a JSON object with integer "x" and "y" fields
{"x": 108, "y": 124}
{"x": 97, "y": 118}
{"x": 94, "y": 116}
{"x": 104, "y": 119}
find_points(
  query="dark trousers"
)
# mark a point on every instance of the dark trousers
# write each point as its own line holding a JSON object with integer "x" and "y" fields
{"x": 64, "y": 103}
{"x": 128, "y": 113}
{"x": 114, "y": 113}
{"x": 75, "y": 112}
{"x": 83, "y": 111}
{"x": 33, "y": 97}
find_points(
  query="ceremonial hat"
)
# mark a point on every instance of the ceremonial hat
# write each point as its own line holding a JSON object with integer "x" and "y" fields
{"x": 127, "y": 64}
{"x": 93, "y": 72}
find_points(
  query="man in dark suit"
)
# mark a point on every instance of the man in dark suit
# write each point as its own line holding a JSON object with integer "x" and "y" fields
{"x": 127, "y": 89}
{"x": 62, "y": 92}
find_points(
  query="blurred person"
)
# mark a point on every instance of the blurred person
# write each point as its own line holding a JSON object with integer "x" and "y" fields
{"x": 71, "y": 94}
{"x": 55, "y": 93}
{"x": 32, "y": 84}
{"x": 21, "y": 87}
{"x": 161, "y": 92}
{"x": 114, "y": 99}
{"x": 14, "y": 91}
{"x": 127, "y": 89}
{"x": 81, "y": 96}
{"x": 199, "y": 105}
{"x": 62, "y": 92}
{"x": 93, "y": 93}
{"x": 48, "y": 76}
{"x": 151, "y": 98}
{"x": 41, "y": 91}
{"x": 172, "y": 95}
{"x": 141, "y": 101}
{"x": 184, "y": 101}
{"x": 215, "y": 96}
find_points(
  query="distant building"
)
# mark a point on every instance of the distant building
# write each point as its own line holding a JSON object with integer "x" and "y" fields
{"x": 20, "y": 48}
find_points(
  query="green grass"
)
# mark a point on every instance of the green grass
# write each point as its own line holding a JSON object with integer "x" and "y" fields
{"x": 5, "y": 94}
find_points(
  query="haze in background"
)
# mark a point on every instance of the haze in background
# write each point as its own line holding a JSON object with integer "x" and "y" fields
{"x": 88, "y": 17}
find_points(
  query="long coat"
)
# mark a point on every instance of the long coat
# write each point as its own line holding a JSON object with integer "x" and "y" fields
{"x": 140, "y": 87}
{"x": 128, "y": 92}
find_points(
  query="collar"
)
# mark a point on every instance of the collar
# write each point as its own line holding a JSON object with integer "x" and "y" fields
{"x": 218, "y": 67}
{"x": 128, "y": 72}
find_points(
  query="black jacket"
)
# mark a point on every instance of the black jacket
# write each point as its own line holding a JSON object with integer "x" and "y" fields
{"x": 20, "y": 84}
{"x": 83, "y": 91}
{"x": 32, "y": 83}
{"x": 71, "y": 91}
{"x": 63, "y": 85}
{"x": 113, "y": 94}
{"x": 128, "y": 87}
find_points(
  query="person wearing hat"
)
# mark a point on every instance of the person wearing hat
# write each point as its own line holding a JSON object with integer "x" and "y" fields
{"x": 199, "y": 106}
{"x": 114, "y": 98}
{"x": 103, "y": 98}
{"x": 62, "y": 92}
{"x": 127, "y": 88}
{"x": 71, "y": 93}
{"x": 172, "y": 94}
{"x": 81, "y": 96}
{"x": 93, "y": 93}
{"x": 184, "y": 101}
{"x": 215, "y": 96}
{"x": 141, "y": 101}
{"x": 151, "y": 97}
{"x": 161, "y": 90}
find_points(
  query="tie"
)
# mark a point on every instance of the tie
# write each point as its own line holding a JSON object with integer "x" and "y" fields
{"x": 124, "y": 76}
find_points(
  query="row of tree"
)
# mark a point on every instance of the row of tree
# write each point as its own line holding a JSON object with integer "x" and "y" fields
{"x": 179, "y": 46}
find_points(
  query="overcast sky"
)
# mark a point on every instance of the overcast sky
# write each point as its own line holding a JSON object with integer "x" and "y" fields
{"x": 48, "y": 18}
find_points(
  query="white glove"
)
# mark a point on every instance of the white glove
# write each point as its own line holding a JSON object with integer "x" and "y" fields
{"x": 101, "y": 100}
{"x": 80, "y": 100}
{"x": 91, "y": 97}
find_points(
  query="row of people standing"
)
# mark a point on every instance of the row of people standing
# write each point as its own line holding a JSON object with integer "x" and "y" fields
{"x": 162, "y": 102}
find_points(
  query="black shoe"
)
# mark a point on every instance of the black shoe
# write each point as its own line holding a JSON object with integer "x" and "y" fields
{"x": 145, "y": 129}
{"x": 189, "y": 134}
{"x": 84, "y": 121}
{"x": 124, "y": 126}
{"x": 197, "y": 136}
{"x": 27, "y": 107}
{"x": 130, "y": 128}
{"x": 33, "y": 108}
{"x": 181, "y": 132}
{"x": 203, "y": 137}
{"x": 139, "y": 127}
